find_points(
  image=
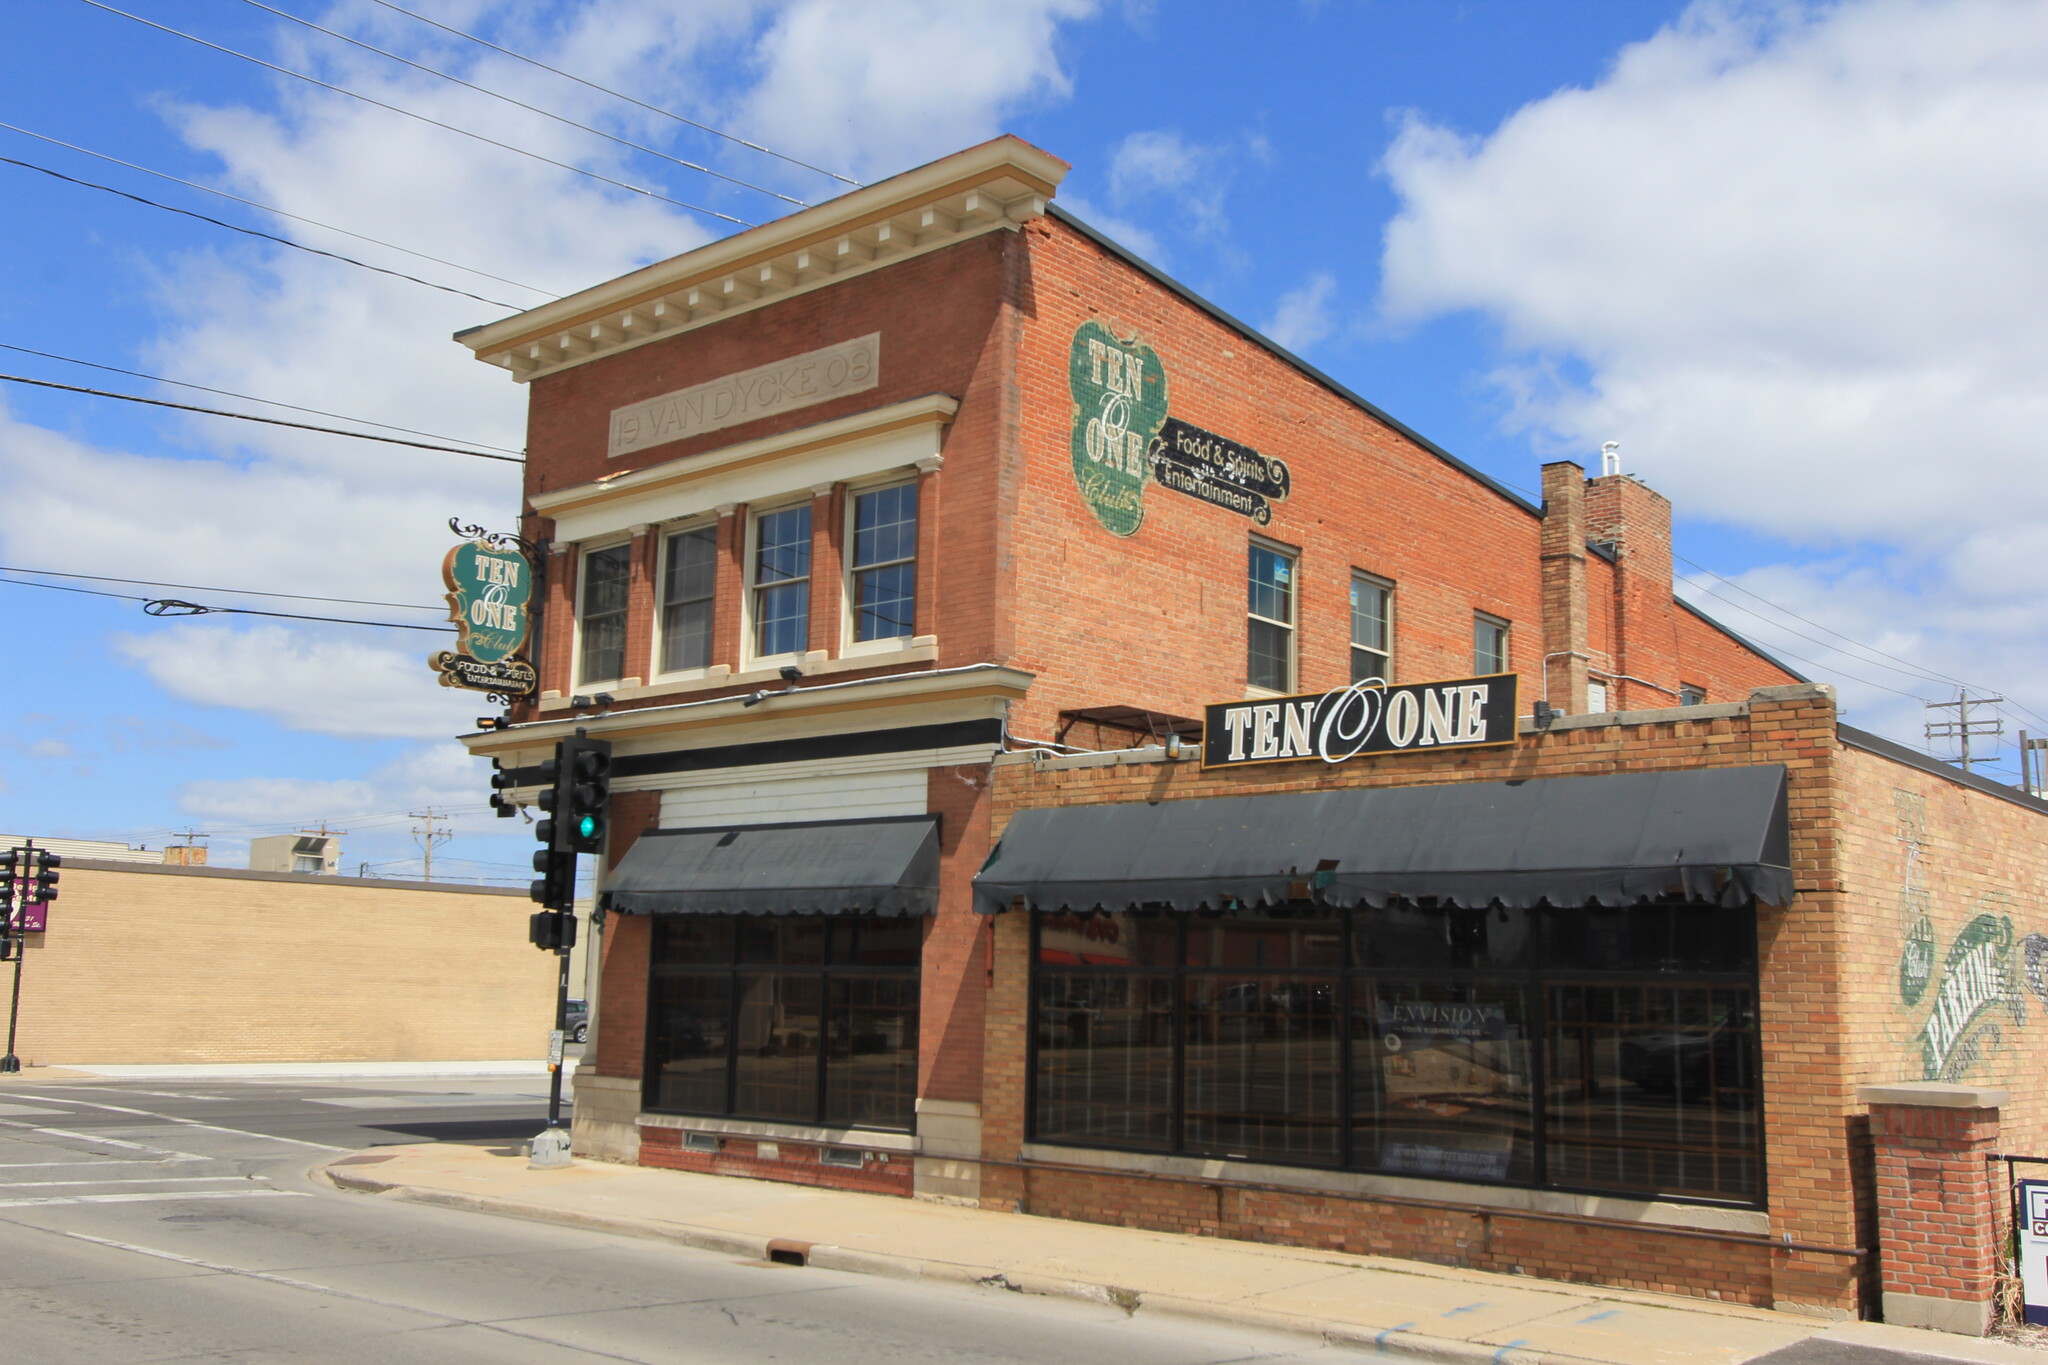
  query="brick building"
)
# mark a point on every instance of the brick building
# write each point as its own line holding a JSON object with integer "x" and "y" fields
{"x": 1552, "y": 925}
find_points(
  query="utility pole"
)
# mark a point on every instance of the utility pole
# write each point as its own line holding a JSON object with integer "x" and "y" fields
{"x": 1962, "y": 727}
{"x": 426, "y": 837}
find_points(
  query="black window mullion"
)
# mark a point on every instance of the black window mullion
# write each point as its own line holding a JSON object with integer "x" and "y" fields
{"x": 824, "y": 1035}
{"x": 1343, "y": 1027}
{"x": 1178, "y": 1090}
{"x": 1032, "y": 972}
{"x": 732, "y": 1027}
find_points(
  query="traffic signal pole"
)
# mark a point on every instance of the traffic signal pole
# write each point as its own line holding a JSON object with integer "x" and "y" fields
{"x": 577, "y": 801}
{"x": 16, "y": 930}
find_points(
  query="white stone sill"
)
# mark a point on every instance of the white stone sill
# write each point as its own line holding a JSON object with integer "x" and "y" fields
{"x": 866, "y": 1139}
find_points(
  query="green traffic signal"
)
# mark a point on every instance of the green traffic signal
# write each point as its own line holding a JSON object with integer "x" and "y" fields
{"x": 587, "y": 827}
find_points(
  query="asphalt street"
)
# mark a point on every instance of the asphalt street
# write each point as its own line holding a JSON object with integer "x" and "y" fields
{"x": 176, "y": 1222}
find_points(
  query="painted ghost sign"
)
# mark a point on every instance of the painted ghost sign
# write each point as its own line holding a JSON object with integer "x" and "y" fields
{"x": 1119, "y": 390}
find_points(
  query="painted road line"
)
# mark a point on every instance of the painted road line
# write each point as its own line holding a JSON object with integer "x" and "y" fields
{"x": 150, "y": 1198}
{"x": 145, "y": 1180}
{"x": 212, "y": 1127}
{"x": 99, "y": 1141}
{"x": 268, "y": 1277}
{"x": 101, "y": 1161}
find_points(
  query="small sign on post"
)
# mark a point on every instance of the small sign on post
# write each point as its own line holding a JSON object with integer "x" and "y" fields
{"x": 554, "y": 1047}
{"x": 2033, "y": 1232}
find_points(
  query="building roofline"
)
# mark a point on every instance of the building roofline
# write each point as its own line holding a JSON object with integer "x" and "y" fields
{"x": 1913, "y": 758}
{"x": 1258, "y": 338}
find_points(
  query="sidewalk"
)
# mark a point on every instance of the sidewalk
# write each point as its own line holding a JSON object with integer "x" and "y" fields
{"x": 284, "y": 1071}
{"x": 1407, "y": 1308}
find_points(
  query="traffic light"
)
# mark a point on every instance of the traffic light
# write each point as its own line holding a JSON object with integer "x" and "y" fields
{"x": 556, "y": 884}
{"x": 501, "y": 782}
{"x": 583, "y": 807}
{"x": 552, "y": 930}
{"x": 45, "y": 888}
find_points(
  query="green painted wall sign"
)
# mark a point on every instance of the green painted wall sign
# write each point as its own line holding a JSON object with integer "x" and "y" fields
{"x": 1119, "y": 390}
{"x": 1976, "y": 977}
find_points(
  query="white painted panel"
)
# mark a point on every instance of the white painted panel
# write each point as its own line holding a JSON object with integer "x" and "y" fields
{"x": 784, "y": 800}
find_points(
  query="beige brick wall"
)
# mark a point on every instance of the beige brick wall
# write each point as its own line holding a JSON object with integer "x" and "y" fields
{"x": 1933, "y": 868}
{"x": 148, "y": 964}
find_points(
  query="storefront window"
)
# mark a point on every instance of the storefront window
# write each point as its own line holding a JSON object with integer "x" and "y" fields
{"x": 797, "y": 1018}
{"x": 1599, "y": 1050}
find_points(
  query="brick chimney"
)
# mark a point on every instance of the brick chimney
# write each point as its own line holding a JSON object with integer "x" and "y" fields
{"x": 1636, "y": 521}
{"x": 1564, "y": 586}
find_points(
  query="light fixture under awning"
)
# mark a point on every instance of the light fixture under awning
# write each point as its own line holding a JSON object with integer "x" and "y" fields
{"x": 886, "y": 866}
{"x": 1717, "y": 835}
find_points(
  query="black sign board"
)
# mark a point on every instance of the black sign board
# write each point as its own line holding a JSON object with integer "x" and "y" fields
{"x": 1217, "y": 470}
{"x": 508, "y": 678}
{"x": 1365, "y": 718}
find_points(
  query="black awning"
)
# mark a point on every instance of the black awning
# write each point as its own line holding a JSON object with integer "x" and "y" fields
{"x": 1717, "y": 835}
{"x": 826, "y": 867}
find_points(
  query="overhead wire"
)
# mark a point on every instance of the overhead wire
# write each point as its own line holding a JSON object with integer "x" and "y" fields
{"x": 251, "y": 417}
{"x": 618, "y": 95}
{"x": 254, "y": 232}
{"x": 246, "y": 592}
{"x": 272, "y": 208}
{"x": 422, "y": 118}
{"x": 247, "y": 398}
{"x": 172, "y": 607}
{"x": 521, "y": 104}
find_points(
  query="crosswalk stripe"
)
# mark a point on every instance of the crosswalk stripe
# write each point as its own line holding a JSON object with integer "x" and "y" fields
{"x": 142, "y": 1180}
{"x": 153, "y": 1197}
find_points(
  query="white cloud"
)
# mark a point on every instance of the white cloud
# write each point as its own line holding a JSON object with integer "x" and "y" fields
{"x": 1789, "y": 255}
{"x": 434, "y": 775}
{"x": 871, "y": 87}
{"x": 303, "y": 681}
{"x": 1302, "y": 317}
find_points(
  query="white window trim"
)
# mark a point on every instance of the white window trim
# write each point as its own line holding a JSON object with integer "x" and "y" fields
{"x": 1293, "y": 557}
{"x": 583, "y": 554}
{"x": 1507, "y": 639}
{"x": 748, "y": 587}
{"x": 849, "y": 647}
{"x": 1385, "y": 585}
{"x": 661, "y": 554}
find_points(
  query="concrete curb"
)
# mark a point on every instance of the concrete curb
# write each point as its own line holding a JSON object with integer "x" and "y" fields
{"x": 821, "y": 1256}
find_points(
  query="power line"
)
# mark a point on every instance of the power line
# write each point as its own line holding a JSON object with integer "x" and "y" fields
{"x": 1826, "y": 668}
{"x": 245, "y": 397}
{"x": 1910, "y": 667}
{"x": 269, "y": 208}
{"x": 607, "y": 90}
{"x": 157, "y": 606}
{"x": 251, "y": 417}
{"x": 343, "y": 90}
{"x": 253, "y": 232}
{"x": 194, "y": 587}
{"x": 521, "y": 104}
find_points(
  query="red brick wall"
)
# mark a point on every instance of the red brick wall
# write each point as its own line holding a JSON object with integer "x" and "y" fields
{"x": 1809, "y": 1101}
{"x": 622, "y": 1006}
{"x": 794, "y": 1162}
{"x": 953, "y": 986}
{"x": 1939, "y": 1205}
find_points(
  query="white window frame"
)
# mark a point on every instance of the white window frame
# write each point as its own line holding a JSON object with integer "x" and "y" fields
{"x": 1385, "y": 585}
{"x": 1685, "y": 687}
{"x": 750, "y": 588}
{"x": 1507, "y": 641}
{"x": 848, "y": 598}
{"x": 583, "y": 554}
{"x": 661, "y": 558}
{"x": 1292, "y": 626}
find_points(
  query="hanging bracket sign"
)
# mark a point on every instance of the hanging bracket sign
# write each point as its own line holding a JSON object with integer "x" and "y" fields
{"x": 1370, "y": 717}
{"x": 490, "y": 599}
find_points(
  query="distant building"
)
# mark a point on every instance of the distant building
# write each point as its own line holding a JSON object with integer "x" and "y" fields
{"x": 315, "y": 853}
{"x": 105, "y": 850}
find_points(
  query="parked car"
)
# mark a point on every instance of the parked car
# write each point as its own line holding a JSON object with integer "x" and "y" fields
{"x": 577, "y": 1025}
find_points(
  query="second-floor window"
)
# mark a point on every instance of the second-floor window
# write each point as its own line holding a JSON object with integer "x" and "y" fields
{"x": 1372, "y": 629}
{"x": 884, "y": 563}
{"x": 782, "y": 580}
{"x": 689, "y": 573}
{"x": 1269, "y": 629}
{"x": 601, "y": 622}
{"x": 1489, "y": 644}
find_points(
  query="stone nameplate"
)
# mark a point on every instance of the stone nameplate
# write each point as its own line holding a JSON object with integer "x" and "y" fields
{"x": 797, "y": 382}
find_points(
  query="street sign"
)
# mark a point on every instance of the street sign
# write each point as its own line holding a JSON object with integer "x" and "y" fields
{"x": 2034, "y": 1249}
{"x": 554, "y": 1047}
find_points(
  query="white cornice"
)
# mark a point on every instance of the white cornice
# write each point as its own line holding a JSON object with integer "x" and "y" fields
{"x": 996, "y": 185}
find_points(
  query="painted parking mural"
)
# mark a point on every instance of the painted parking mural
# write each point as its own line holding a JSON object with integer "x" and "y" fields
{"x": 1965, "y": 989}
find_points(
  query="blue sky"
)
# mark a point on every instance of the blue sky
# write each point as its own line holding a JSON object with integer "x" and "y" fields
{"x": 1783, "y": 253}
